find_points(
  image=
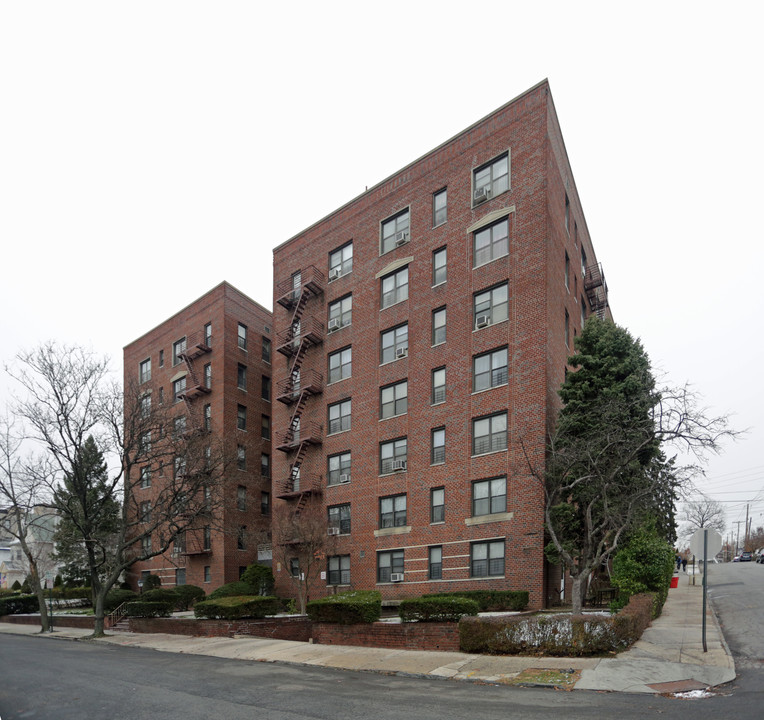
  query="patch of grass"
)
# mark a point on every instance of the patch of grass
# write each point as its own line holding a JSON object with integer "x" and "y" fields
{"x": 547, "y": 677}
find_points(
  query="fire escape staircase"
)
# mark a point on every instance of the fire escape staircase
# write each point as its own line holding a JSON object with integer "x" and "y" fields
{"x": 302, "y": 334}
{"x": 197, "y": 345}
{"x": 595, "y": 288}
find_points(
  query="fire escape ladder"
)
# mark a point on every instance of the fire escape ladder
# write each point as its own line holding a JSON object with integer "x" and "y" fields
{"x": 595, "y": 288}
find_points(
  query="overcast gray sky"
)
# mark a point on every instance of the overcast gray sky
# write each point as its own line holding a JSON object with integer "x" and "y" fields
{"x": 150, "y": 150}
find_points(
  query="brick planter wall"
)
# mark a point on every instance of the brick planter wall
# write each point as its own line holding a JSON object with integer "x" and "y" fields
{"x": 298, "y": 628}
{"x": 443, "y": 637}
{"x": 74, "y": 621}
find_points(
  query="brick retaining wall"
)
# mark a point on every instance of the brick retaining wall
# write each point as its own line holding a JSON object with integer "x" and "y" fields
{"x": 297, "y": 628}
{"x": 75, "y": 621}
{"x": 406, "y": 636}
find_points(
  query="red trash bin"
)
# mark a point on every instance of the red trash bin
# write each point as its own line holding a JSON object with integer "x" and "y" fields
{"x": 675, "y": 581}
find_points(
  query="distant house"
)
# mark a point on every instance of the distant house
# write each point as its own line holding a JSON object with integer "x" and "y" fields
{"x": 41, "y": 523}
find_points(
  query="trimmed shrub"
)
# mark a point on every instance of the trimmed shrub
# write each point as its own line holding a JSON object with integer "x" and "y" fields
{"x": 166, "y": 595}
{"x": 58, "y": 581}
{"x": 150, "y": 609}
{"x": 115, "y": 598}
{"x": 16, "y": 586}
{"x": 187, "y": 596}
{"x": 233, "y": 608}
{"x": 491, "y": 600}
{"x": 561, "y": 635}
{"x": 15, "y": 604}
{"x": 150, "y": 582}
{"x": 259, "y": 577}
{"x": 6, "y": 592}
{"x": 349, "y": 608}
{"x": 233, "y": 589}
{"x": 436, "y": 609}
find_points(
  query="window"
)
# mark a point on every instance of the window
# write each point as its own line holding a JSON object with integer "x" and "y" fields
{"x": 339, "y": 417}
{"x": 491, "y": 179}
{"x": 439, "y": 266}
{"x": 491, "y": 306}
{"x": 241, "y": 417}
{"x": 242, "y": 333}
{"x": 395, "y": 343}
{"x": 178, "y": 388}
{"x": 389, "y": 562}
{"x": 439, "y": 326}
{"x": 144, "y": 443}
{"x": 439, "y": 207}
{"x": 265, "y": 465}
{"x": 489, "y": 497}
{"x": 207, "y": 538}
{"x": 178, "y": 426}
{"x": 208, "y": 375}
{"x": 178, "y": 348}
{"x": 339, "y": 517}
{"x": 395, "y": 287}
{"x": 341, "y": 261}
{"x": 207, "y": 574}
{"x": 395, "y": 231}
{"x": 489, "y": 434}
{"x": 583, "y": 264}
{"x": 265, "y": 503}
{"x": 146, "y": 544}
{"x": 435, "y": 563}
{"x": 567, "y": 329}
{"x": 180, "y": 576}
{"x": 437, "y": 505}
{"x": 583, "y": 311}
{"x": 392, "y": 511}
{"x": 179, "y": 467}
{"x": 241, "y": 498}
{"x": 393, "y": 456}
{"x": 266, "y": 350}
{"x": 393, "y": 400}
{"x": 567, "y": 212}
{"x": 340, "y": 364}
{"x": 265, "y": 388}
{"x": 265, "y": 427}
{"x": 208, "y": 334}
{"x": 567, "y": 271}
{"x": 438, "y": 446}
{"x": 146, "y": 511}
{"x": 241, "y": 376}
{"x": 241, "y": 538}
{"x": 487, "y": 559}
{"x": 438, "y": 385}
{"x": 145, "y": 476}
{"x": 338, "y": 468}
{"x": 208, "y": 417}
{"x": 161, "y": 358}
{"x": 241, "y": 457}
{"x": 145, "y": 405}
{"x": 338, "y": 568}
{"x": 490, "y": 243}
{"x": 294, "y": 567}
{"x": 161, "y": 396}
{"x": 340, "y": 313}
{"x": 490, "y": 370}
{"x": 179, "y": 543}
{"x": 144, "y": 371}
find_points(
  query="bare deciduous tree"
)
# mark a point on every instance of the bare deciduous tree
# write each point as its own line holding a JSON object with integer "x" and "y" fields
{"x": 702, "y": 513}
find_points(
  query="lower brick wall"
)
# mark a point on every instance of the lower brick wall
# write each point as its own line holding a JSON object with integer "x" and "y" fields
{"x": 75, "y": 621}
{"x": 278, "y": 628}
{"x": 406, "y": 636}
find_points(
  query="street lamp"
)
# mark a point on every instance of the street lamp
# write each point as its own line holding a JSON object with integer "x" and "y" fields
{"x": 50, "y": 606}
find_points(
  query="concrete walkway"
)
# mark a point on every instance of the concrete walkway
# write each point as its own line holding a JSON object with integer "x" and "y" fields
{"x": 669, "y": 657}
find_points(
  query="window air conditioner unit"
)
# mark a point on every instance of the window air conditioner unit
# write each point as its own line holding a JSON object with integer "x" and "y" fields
{"x": 482, "y": 194}
{"x": 344, "y": 479}
{"x": 334, "y": 273}
{"x": 402, "y": 237}
{"x": 401, "y": 352}
{"x": 482, "y": 321}
{"x": 333, "y": 531}
{"x": 399, "y": 465}
{"x": 396, "y": 577}
{"x": 334, "y": 324}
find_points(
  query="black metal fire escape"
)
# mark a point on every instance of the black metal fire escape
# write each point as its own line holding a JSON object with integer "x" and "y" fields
{"x": 197, "y": 345}
{"x": 595, "y": 288}
{"x": 299, "y": 386}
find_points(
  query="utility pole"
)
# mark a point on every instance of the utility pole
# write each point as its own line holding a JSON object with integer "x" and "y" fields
{"x": 737, "y": 542}
{"x": 745, "y": 544}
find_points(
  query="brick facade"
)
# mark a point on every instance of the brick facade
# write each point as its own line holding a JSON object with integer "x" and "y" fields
{"x": 505, "y": 292}
{"x": 212, "y": 324}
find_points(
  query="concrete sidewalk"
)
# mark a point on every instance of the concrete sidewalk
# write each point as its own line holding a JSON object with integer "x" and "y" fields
{"x": 668, "y": 658}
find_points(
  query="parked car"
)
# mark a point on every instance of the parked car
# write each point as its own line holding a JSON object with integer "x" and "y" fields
{"x": 746, "y": 556}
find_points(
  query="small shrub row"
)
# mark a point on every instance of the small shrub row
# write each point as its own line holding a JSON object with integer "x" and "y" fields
{"x": 15, "y": 604}
{"x": 148, "y": 608}
{"x": 561, "y": 635}
{"x": 491, "y": 600}
{"x": 233, "y": 589}
{"x": 187, "y": 596}
{"x": 70, "y": 593}
{"x": 233, "y": 608}
{"x": 349, "y": 608}
{"x": 115, "y": 598}
{"x": 437, "y": 609}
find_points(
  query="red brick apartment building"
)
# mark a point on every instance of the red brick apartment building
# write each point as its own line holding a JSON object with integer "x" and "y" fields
{"x": 211, "y": 363}
{"x": 422, "y": 332}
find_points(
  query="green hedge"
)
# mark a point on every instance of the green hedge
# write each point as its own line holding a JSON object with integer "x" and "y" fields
{"x": 188, "y": 595}
{"x": 148, "y": 608}
{"x": 71, "y": 593}
{"x": 233, "y": 608}
{"x": 349, "y": 608}
{"x": 561, "y": 635}
{"x": 490, "y": 600}
{"x": 437, "y": 609}
{"x": 15, "y": 604}
{"x": 115, "y": 598}
{"x": 233, "y": 589}
{"x": 165, "y": 595}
